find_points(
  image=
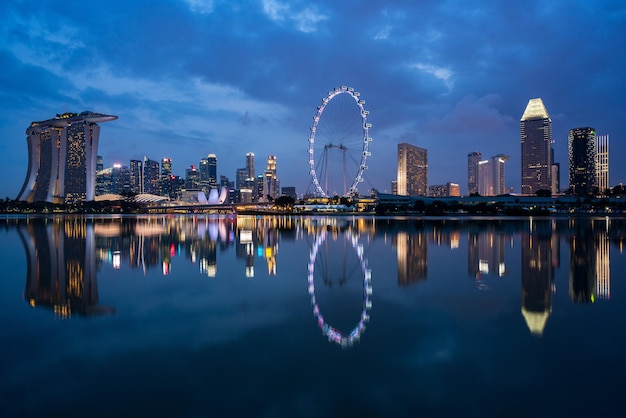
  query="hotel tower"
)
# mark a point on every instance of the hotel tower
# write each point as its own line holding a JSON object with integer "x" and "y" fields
{"x": 62, "y": 154}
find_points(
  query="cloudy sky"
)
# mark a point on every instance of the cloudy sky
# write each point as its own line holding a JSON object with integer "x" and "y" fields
{"x": 193, "y": 77}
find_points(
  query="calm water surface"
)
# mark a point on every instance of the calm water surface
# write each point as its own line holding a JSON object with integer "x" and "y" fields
{"x": 193, "y": 316}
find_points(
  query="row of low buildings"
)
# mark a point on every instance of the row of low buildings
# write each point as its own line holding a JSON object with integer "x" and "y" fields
{"x": 588, "y": 158}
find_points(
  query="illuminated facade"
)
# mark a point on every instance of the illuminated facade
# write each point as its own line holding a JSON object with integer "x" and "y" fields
{"x": 490, "y": 176}
{"x": 271, "y": 185}
{"x": 602, "y": 163}
{"x": 472, "y": 171}
{"x": 412, "y": 170}
{"x": 62, "y": 156}
{"x": 581, "y": 147}
{"x": 151, "y": 178}
{"x": 135, "y": 176}
{"x": 166, "y": 177}
{"x": 444, "y": 190}
{"x": 536, "y": 142}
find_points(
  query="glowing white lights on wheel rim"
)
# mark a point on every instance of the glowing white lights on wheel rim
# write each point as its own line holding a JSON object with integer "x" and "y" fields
{"x": 366, "y": 140}
{"x": 332, "y": 333}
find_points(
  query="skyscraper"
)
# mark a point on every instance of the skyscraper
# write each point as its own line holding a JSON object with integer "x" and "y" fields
{"x": 250, "y": 165}
{"x": 271, "y": 185}
{"x": 602, "y": 163}
{"x": 490, "y": 176}
{"x": 472, "y": 171}
{"x": 536, "y": 142}
{"x": 166, "y": 173}
{"x": 151, "y": 176}
{"x": 212, "y": 170}
{"x": 581, "y": 147}
{"x": 62, "y": 155}
{"x": 136, "y": 176}
{"x": 412, "y": 170}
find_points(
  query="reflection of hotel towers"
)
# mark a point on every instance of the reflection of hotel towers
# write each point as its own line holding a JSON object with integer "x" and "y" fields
{"x": 412, "y": 250}
{"x": 537, "y": 273}
{"x": 485, "y": 253}
{"x": 268, "y": 238}
{"x": 247, "y": 236}
{"x": 62, "y": 155}
{"x": 62, "y": 266}
{"x": 603, "y": 269}
{"x": 589, "y": 274}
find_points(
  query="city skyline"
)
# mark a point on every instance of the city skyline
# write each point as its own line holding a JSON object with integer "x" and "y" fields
{"x": 249, "y": 78}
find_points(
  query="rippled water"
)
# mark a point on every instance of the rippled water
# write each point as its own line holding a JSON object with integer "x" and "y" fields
{"x": 189, "y": 316}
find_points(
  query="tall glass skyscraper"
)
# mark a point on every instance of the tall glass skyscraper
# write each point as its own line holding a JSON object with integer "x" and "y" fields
{"x": 166, "y": 174}
{"x": 472, "y": 171}
{"x": 136, "y": 176}
{"x": 151, "y": 177}
{"x": 62, "y": 158}
{"x": 602, "y": 163}
{"x": 412, "y": 170}
{"x": 536, "y": 141}
{"x": 581, "y": 147}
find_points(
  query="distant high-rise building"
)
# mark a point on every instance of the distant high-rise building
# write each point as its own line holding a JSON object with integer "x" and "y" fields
{"x": 556, "y": 173}
{"x": 62, "y": 154}
{"x": 271, "y": 185}
{"x": 581, "y": 147}
{"x": 166, "y": 174}
{"x": 602, "y": 163}
{"x": 151, "y": 176}
{"x": 212, "y": 158}
{"x": 250, "y": 165}
{"x": 472, "y": 171}
{"x": 240, "y": 178}
{"x": 136, "y": 176}
{"x": 394, "y": 187}
{"x": 536, "y": 142}
{"x": 192, "y": 178}
{"x": 99, "y": 163}
{"x": 490, "y": 176}
{"x": 412, "y": 170}
{"x": 208, "y": 173}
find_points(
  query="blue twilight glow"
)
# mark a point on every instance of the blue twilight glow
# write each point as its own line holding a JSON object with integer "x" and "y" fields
{"x": 192, "y": 77}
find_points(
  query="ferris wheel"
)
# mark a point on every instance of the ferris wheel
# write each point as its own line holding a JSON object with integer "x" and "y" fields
{"x": 339, "y": 143}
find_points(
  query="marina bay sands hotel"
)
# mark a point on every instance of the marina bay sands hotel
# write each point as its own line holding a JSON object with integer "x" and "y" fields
{"x": 62, "y": 158}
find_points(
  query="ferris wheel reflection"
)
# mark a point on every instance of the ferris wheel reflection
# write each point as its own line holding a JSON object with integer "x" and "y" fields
{"x": 319, "y": 257}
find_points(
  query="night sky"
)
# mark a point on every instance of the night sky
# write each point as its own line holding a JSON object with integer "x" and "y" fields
{"x": 189, "y": 78}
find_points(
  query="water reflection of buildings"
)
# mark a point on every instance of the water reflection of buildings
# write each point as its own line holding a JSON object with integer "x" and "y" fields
{"x": 61, "y": 272}
{"x": 537, "y": 275}
{"x": 412, "y": 253}
{"x": 589, "y": 275}
{"x": 486, "y": 253}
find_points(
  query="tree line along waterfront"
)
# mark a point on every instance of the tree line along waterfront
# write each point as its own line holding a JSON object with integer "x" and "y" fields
{"x": 378, "y": 204}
